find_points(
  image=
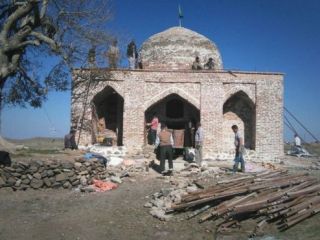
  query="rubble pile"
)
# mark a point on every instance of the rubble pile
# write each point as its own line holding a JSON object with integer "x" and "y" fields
{"x": 39, "y": 174}
{"x": 267, "y": 197}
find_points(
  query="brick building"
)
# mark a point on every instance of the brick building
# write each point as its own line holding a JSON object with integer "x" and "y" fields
{"x": 126, "y": 99}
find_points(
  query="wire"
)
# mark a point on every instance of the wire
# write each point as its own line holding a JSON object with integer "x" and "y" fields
{"x": 290, "y": 125}
{"x": 53, "y": 129}
{"x": 300, "y": 124}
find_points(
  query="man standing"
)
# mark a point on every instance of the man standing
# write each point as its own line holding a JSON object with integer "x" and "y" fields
{"x": 165, "y": 140}
{"x": 239, "y": 144}
{"x": 297, "y": 143}
{"x": 199, "y": 137}
{"x": 132, "y": 54}
{"x": 70, "y": 140}
{"x": 209, "y": 65}
{"x": 113, "y": 55}
{"x": 154, "y": 126}
{"x": 196, "y": 65}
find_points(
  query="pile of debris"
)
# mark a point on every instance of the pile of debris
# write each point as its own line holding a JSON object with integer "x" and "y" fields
{"x": 268, "y": 197}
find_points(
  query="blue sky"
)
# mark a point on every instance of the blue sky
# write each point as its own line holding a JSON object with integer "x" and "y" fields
{"x": 254, "y": 35}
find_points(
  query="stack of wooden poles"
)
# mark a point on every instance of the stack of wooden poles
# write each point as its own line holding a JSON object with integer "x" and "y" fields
{"x": 269, "y": 197}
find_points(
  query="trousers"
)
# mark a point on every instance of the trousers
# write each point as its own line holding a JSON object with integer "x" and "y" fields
{"x": 238, "y": 159}
{"x": 166, "y": 153}
{"x": 198, "y": 152}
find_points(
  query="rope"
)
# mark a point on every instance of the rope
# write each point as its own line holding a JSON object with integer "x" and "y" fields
{"x": 293, "y": 130}
{"x": 290, "y": 125}
{"x": 84, "y": 107}
{"x": 300, "y": 124}
{"x": 54, "y": 130}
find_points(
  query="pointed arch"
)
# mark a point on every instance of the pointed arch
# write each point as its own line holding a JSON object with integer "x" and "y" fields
{"x": 183, "y": 94}
{"x": 102, "y": 85}
{"x": 107, "y": 116}
{"x": 240, "y": 110}
{"x": 238, "y": 89}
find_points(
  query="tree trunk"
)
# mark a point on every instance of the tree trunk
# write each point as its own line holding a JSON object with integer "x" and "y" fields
{"x": 4, "y": 69}
{"x": 1, "y": 102}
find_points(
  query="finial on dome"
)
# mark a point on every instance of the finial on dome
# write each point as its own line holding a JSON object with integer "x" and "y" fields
{"x": 180, "y": 15}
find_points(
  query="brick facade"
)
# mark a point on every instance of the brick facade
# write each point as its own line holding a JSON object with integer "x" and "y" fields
{"x": 207, "y": 91}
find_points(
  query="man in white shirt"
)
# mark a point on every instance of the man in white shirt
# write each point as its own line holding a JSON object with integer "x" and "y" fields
{"x": 239, "y": 145}
{"x": 297, "y": 144}
{"x": 199, "y": 137}
{"x": 297, "y": 140}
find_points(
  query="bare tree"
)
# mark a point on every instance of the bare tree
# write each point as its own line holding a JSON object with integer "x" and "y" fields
{"x": 33, "y": 30}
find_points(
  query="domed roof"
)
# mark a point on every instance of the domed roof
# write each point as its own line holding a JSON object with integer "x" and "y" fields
{"x": 176, "y": 48}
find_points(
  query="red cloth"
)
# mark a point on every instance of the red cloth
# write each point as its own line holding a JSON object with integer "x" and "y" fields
{"x": 178, "y": 138}
{"x": 101, "y": 186}
{"x": 154, "y": 123}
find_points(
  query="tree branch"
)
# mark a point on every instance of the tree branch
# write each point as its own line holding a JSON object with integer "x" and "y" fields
{"x": 43, "y": 8}
{"x": 54, "y": 46}
{"x": 19, "y": 13}
{"x": 29, "y": 42}
{"x": 15, "y": 60}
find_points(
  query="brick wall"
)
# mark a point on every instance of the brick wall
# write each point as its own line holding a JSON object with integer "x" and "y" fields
{"x": 205, "y": 90}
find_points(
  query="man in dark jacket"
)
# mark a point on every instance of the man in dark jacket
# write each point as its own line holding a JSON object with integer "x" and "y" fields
{"x": 132, "y": 54}
{"x": 70, "y": 140}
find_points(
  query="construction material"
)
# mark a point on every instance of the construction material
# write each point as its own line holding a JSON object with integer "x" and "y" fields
{"x": 266, "y": 197}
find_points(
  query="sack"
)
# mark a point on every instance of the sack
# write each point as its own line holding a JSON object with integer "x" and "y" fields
{"x": 189, "y": 154}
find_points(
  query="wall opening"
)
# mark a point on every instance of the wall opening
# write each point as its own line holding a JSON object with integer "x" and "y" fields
{"x": 175, "y": 109}
{"x": 240, "y": 110}
{"x": 178, "y": 114}
{"x": 107, "y": 119}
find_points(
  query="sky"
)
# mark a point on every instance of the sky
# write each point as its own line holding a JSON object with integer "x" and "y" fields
{"x": 252, "y": 35}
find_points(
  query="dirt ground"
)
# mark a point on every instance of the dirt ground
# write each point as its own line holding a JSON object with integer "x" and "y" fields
{"x": 118, "y": 214}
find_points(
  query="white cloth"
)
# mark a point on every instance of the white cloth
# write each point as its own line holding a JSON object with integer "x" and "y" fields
{"x": 199, "y": 135}
{"x": 132, "y": 62}
{"x": 297, "y": 141}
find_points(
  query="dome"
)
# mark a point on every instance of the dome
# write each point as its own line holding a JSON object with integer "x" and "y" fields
{"x": 176, "y": 48}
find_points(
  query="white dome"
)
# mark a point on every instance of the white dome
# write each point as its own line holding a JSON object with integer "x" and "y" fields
{"x": 176, "y": 48}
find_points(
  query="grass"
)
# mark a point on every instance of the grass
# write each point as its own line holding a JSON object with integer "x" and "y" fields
{"x": 30, "y": 151}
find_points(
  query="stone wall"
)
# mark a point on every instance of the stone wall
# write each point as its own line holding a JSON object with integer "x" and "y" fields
{"x": 39, "y": 174}
{"x": 205, "y": 90}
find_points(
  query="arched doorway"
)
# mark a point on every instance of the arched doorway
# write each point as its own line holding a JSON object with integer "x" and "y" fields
{"x": 107, "y": 115}
{"x": 178, "y": 114}
{"x": 239, "y": 110}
